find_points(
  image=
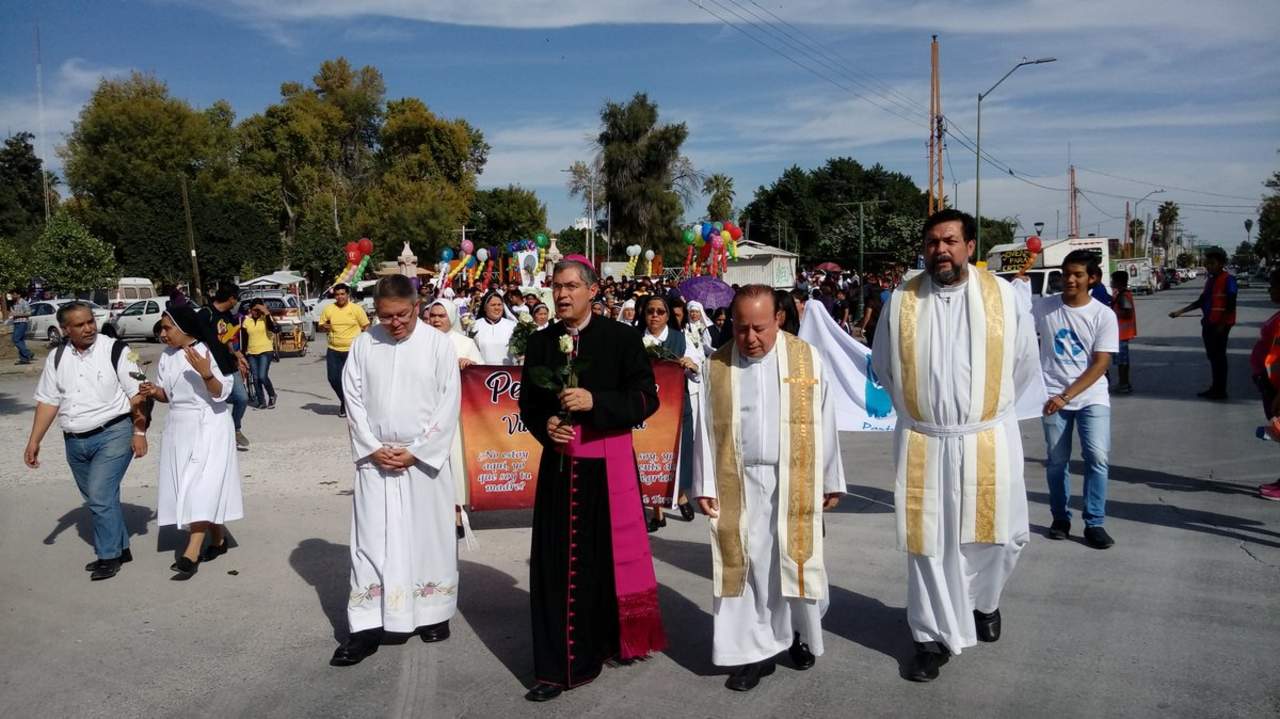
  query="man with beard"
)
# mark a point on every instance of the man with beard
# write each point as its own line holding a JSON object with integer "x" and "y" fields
{"x": 955, "y": 345}
{"x": 592, "y": 587}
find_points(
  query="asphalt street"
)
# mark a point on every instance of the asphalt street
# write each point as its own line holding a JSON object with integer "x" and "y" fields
{"x": 1180, "y": 619}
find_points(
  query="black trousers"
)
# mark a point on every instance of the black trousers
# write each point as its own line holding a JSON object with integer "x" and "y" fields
{"x": 1215, "y": 346}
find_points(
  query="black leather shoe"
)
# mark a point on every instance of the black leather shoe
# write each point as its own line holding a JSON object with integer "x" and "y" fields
{"x": 655, "y": 523}
{"x": 435, "y": 632}
{"x": 925, "y": 665}
{"x": 125, "y": 556}
{"x": 1097, "y": 538}
{"x": 686, "y": 511}
{"x": 800, "y": 654}
{"x": 359, "y": 645}
{"x": 460, "y": 531}
{"x": 1060, "y": 529}
{"x": 105, "y": 569}
{"x": 213, "y": 551}
{"x": 988, "y": 625}
{"x": 747, "y": 676}
{"x": 184, "y": 566}
{"x": 543, "y": 692}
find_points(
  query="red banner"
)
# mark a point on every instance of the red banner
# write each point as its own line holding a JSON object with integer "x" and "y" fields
{"x": 501, "y": 456}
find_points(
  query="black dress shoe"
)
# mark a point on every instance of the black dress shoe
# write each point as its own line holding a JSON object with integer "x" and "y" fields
{"x": 543, "y": 692}
{"x": 800, "y": 654}
{"x": 125, "y": 556}
{"x": 656, "y": 523}
{"x": 184, "y": 566}
{"x": 925, "y": 665}
{"x": 1097, "y": 538}
{"x": 213, "y": 551}
{"x": 359, "y": 645}
{"x": 988, "y": 625}
{"x": 686, "y": 511}
{"x": 747, "y": 676}
{"x": 435, "y": 632}
{"x": 1060, "y": 529}
{"x": 461, "y": 531}
{"x": 105, "y": 569}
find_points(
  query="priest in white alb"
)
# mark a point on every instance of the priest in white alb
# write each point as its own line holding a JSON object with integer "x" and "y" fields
{"x": 955, "y": 347}
{"x": 766, "y": 465}
{"x": 403, "y": 391}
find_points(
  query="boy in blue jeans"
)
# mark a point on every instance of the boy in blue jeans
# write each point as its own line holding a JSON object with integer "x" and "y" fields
{"x": 1078, "y": 335}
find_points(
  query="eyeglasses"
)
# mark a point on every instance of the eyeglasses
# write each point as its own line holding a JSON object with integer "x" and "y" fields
{"x": 655, "y": 311}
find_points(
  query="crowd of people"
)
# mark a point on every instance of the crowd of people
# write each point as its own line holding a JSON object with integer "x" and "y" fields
{"x": 958, "y": 351}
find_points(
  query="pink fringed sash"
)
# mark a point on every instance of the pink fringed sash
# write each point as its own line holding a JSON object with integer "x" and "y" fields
{"x": 639, "y": 620}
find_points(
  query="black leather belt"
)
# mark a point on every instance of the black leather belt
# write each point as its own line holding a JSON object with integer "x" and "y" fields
{"x": 99, "y": 430}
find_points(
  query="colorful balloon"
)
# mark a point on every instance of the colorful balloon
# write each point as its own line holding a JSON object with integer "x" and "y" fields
{"x": 1034, "y": 245}
{"x": 735, "y": 232}
{"x": 718, "y": 225}
{"x": 540, "y": 240}
{"x": 726, "y": 235}
{"x": 688, "y": 237}
{"x": 717, "y": 242}
{"x": 366, "y": 245}
{"x": 353, "y": 256}
{"x": 482, "y": 254}
{"x": 446, "y": 254}
{"x": 351, "y": 247}
{"x": 468, "y": 247}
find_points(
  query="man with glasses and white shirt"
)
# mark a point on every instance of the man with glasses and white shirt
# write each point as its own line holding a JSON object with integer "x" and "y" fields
{"x": 89, "y": 386}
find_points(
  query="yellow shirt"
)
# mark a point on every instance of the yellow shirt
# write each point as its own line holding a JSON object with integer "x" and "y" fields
{"x": 345, "y": 324}
{"x": 259, "y": 340}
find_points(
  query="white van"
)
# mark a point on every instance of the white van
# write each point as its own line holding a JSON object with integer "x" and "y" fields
{"x": 128, "y": 290}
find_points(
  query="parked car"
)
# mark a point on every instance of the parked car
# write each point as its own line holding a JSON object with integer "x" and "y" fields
{"x": 44, "y": 319}
{"x": 137, "y": 319}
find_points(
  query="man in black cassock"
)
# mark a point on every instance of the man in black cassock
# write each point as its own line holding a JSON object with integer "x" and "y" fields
{"x": 592, "y": 587}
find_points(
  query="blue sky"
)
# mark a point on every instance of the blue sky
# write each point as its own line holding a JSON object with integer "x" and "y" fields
{"x": 1186, "y": 96}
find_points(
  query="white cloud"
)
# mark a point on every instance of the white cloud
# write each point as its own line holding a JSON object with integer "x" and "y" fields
{"x": 65, "y": 92}
{"x": 533, "y": 151}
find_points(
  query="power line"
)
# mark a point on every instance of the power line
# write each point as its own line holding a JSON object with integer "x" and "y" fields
{"x": 1085, "y": 195}
{"x": 790, "y": 58}
{"x": 1161, "y": 184}
{"x": 1179, "y": 203}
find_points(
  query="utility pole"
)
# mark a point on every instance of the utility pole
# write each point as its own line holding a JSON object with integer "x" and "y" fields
{"x": 197, "y": 291}
{"x": 936, "y": 183}
{"x": 44, "y": 173}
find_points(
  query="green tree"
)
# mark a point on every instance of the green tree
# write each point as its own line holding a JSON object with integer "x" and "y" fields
{"x": 571, "y": 240}
{"x": 506, "y": 214}
{"x": 1185, "y": 260}
{"x": 645, "y": 177}
{"x": 1244, "y": 255}
{"x": 1168, "y": 218}
{"x": 586, "y": 182}
{"x": 720, "y": 190}
{"x": 15, "y": 266}
{"x": 21, "y": 190}
{"x": 70, "y": 258}
{"x": 1267, "y": 246}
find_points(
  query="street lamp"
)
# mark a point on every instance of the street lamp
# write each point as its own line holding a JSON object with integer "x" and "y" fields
{"x": 1135, "y": 216}
{"x": 977, "y": 177}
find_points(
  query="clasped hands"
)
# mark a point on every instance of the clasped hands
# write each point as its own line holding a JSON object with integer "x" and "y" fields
{"x": 393, "y": 459}
{"x": 710, "y": 506}
{"x": 572, "y": 399}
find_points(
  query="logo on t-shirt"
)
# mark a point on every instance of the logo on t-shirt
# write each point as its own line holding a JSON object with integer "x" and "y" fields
{"x": 1067, "y": 345}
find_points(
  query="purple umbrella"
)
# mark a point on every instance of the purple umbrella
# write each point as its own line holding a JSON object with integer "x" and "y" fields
{"x": 712, "y": 292}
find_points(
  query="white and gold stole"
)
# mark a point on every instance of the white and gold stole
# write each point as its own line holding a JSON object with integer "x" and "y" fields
{"x": 800, "y": 452}
{"x": 985, "y": 463}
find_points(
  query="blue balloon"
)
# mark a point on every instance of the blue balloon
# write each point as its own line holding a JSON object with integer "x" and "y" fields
{"x": 446, "y": 254}
{"x": 707, "y": 227}
{"x": 471, "y": 260}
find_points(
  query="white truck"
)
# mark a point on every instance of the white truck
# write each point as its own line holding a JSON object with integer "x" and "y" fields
{"x": 1046, "y": 273}
{"x": 1141, "y": 277}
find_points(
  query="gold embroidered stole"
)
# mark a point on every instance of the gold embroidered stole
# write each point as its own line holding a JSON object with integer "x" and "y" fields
{"x": 984, "y": 469}
{"x": 799, "y": 486}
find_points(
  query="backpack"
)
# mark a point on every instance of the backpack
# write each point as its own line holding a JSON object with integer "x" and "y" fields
{"x": 117, "y": 351}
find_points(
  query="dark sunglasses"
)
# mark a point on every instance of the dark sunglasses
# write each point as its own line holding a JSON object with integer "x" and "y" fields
{"x": 655, "y": 311}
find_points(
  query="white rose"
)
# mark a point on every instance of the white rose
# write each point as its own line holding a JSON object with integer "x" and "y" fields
{"x": 566, "y": 344}
{"x": 526, "y": 318}
{"x": 650, "y": 341}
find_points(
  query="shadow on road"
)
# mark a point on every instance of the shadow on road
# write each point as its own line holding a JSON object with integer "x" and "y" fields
{"x": 1175, "y": 517}
{"x": 326, "y": 409}
{"x": 863, "y": 499}
{"x": 498, "y": 611}
{"x": 136, "y": 519}
{"x": 326, "y": 566}
{"x": 1169, "y": 482}
{"x": 9, "y": 404}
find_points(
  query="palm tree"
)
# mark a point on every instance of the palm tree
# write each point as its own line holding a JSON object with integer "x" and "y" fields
{"x": 1168, "y": 215}
{"x": 720, "y": 189}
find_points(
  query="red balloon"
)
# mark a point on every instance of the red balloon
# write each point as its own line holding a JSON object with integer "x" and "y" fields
{"x": 366, "y": 245}
{"x": 1034, "y": 244}
{"x": 353, "y": 256}
{"x": 351, "y": 247}
{"x": 735, "y": 232}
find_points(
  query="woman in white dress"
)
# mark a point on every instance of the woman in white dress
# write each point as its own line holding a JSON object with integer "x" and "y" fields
{"x": 492, "y": 332}
{"x": 199, "y": 483}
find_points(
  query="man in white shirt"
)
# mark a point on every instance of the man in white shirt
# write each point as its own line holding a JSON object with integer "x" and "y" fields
{"x": 1078, "y": 335}
{"x": 89, "y": 387}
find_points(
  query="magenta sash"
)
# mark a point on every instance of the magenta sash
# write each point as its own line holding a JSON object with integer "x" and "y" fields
{"x": 639, "y": 620}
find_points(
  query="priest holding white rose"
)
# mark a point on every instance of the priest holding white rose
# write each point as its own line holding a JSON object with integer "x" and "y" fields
{"x": 402, "y": 394}
{"x": 766, "y": 465}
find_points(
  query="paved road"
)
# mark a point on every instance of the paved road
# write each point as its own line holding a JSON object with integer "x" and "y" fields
{"x": 1181, "y": 618}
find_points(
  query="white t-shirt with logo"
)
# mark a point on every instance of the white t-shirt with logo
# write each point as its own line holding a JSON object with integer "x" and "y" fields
{"x": 1069, "y": 337}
